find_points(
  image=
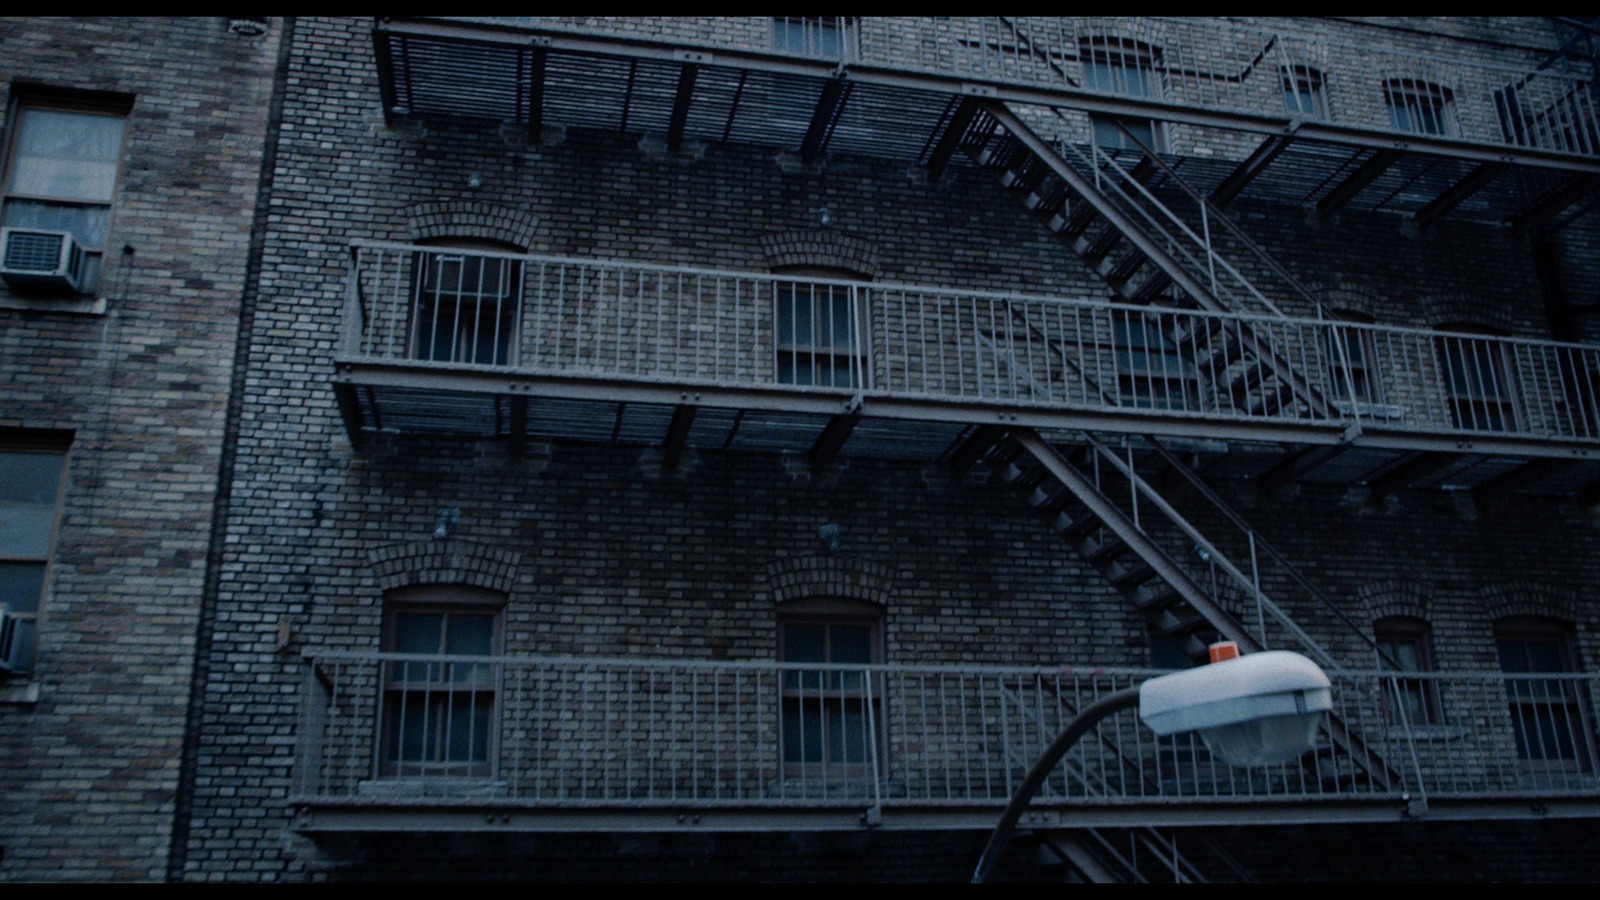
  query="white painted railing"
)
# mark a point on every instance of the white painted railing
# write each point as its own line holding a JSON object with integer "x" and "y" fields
{"x": 486, "y": 311}
{"x": 572, "y": 731}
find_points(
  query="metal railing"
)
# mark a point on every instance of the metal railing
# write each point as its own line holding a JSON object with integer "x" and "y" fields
{"x": 574, "y": 731}
{"x": 561, "y": 316}
{"x": 1399, "y": 86}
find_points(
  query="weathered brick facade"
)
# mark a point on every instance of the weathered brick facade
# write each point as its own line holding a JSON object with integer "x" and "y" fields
{"x": 91, "y": 741}
{"x": 606, "y": 548}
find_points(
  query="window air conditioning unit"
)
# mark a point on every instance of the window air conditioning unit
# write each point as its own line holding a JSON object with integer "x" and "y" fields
{"x": 10, "y": 643}
{"x": 33, "y": 259}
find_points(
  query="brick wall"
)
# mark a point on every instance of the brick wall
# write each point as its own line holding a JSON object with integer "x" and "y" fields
{"x": 89, "y": 771}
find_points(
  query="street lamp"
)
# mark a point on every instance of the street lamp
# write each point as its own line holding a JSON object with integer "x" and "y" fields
{"x": 1253, "y": 710}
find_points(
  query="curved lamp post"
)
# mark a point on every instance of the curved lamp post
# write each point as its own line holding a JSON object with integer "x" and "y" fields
{"x": 1251, "y": 710}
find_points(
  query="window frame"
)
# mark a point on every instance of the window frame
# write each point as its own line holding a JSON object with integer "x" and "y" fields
{"x": 830, "y": 691}
{"x": 1420, "y": 696}
{"x": 1529, "y": 700}
{"x": 1305, "y": 92}
{"x": 1467, "y": 387}
{"x": 814, "y": 37}
{"x": 1421, "y": 107}
{"x": 824, "y": 288}
{"x": 1113, "y": 65}
{"x": 481, "y": 686}
{"x": 33, "y": 98}
{"x": 45, "y": 445}
{"x": 503, "y": 318}
{"x": 1350, "y": 352}
{"x": 1154, "y": 375}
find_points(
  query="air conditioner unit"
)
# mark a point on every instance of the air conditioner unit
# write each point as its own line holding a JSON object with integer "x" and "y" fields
{"x": 32, "y": 259}
{"x": 10, "y": 641}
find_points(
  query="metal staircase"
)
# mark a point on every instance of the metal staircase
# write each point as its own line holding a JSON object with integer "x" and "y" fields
{"x": 1108, "y": 215}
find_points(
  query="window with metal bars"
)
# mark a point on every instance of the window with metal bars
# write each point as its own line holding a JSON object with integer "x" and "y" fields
{"x": 466, "y": 307}
{"x": 818, "y": 331}
{"x": 831, "y": 713}
{"x": 1420, "y": 107}
{"x": 1477, "y": 380}
{"x": 1550, "y": 717}
{"x": 439, "y": 714}
{"x": 1127, "y": 68}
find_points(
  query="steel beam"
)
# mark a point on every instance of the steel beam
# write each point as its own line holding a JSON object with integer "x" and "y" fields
{"x": 1573, "y": 191}
{"x": 1529, "y": 473}
{"x": 518, "y": 426}
{"x": 350, "y": 411}
{"x": 950, "y": 141}
{"x": 1365, "y": 174}
{"x": 677, "y": 435}
{"x": 1255, "y": 164}
{"x": 1297, "y": 466}
{"x": 832, "y": 439}
{"x": 680, "y": 106}
{"x": 823, "y": 118}
{"x": 1457, "y": 193}
{"x": 1409, "y": 472}
{"x": 974, "y": 447}
{"x": 535, "y": 94}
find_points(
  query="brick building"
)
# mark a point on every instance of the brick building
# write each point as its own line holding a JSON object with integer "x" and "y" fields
{"x": 732, "y": 448}
{"x": 137, "y": 145}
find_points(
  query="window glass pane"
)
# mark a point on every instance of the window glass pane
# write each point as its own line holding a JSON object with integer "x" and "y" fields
{"x": 87, "y": 224}
{"x": 66, "y": 155}
{"x": 804, "y": 643}
{"x": 852, "y": 644}
{"x": 21, "y": 586}
{"x": 28, "y": 487}
{"x": 470, "y": 635}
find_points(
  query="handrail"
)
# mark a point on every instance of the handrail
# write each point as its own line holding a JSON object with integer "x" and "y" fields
{"x": 554, "y": 315}
{"x": 559, "y": 731}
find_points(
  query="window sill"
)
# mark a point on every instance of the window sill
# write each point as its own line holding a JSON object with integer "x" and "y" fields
{"x": 23, "y": 692}
{"x": 445, "y": 788}
{"x": 1370, "y": 410}
{"x": 77, "y": 305}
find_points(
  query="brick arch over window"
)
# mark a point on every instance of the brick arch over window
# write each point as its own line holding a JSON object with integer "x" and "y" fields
{"x": 828, "y": 576}
{"x": 445, "y": 562}
{"x": 1529, "y": 598}
{"x": 1396, "y": 597}
{"x": 471, "y": 220}
{"x": 1455, "y": 307}
{"x": 1337, "y": 298}
{"x": 816, "y": 248}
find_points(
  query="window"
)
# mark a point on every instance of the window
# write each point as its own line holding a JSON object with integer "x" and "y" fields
{"x": 1547, "y": 714}
{"x": 1476, "y": 383}
{"x": 1420, "y": 107}
{"x": 466, "y": 308}
{"x": 1151, "y": 370}
{"x": 817, "y": 330}
{"x": 1303, "y": 93}
{"x": 1351, "y": 355}
{"x": 62, "y": 173}
{"x": 831, "y": 712}
{"x": 822, "y": 37}
{"x": 439, "y": 716}
{"x": 1403, "y": 646}
{"x": 1127, "y": 68}
{"x": 30, "y": 488}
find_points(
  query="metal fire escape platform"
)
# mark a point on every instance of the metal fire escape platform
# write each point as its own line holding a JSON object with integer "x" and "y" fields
{"x": 881, "y": 102}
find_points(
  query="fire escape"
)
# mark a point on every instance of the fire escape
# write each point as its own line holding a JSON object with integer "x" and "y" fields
{"x": 1096, "y": 411}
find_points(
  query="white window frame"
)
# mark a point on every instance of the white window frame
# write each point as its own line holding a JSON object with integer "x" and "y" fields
{"x": 1128, "y": 68}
